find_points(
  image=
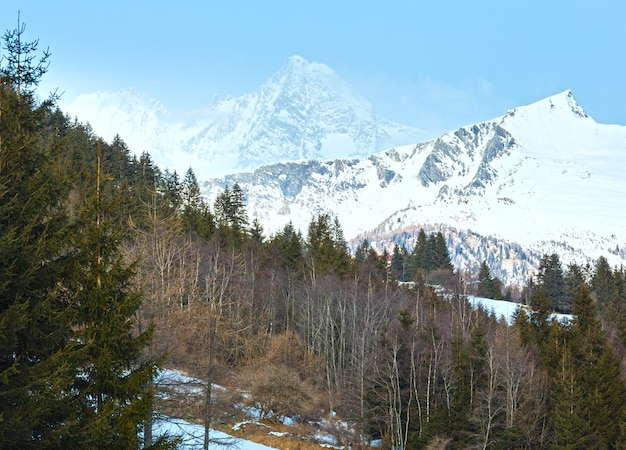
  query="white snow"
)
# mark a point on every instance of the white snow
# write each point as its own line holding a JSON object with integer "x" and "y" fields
{"x": 173, "y": 380}
{"x": 193, "y": 435}
{"x": 502, "y": 309}
{"x": 559, "y": 182}
{"x": 560, "y": 187}
{"x": 303, "y": 111}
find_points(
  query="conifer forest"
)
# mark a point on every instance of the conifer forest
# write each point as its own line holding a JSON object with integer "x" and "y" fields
{"x": 112, "y": 268}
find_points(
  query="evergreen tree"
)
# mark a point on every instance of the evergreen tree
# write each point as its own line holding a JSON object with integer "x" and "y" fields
{"x": 419, "y": 256}
{"x": 598, "y": 367}
{"x": 321, "y": 245}
{"x": 196, "y": 217}
{"x": 256, "y": 232}
{"x": 573, "y": 279}
{"x": 112, "y": 382}
{"x": 570, "y": 413}
{"x": 439, "y": 255}
{"x": 551, "y": 278}
{"x": 362, "y": 251}
{"x": 284, "y": 250}
{"x": 468, "y": 361}
{"x": 342, "y": 261}
{"x": 24, "y": 67}
{"x": 398, "y": 263}
{"x": 486, "y": 286}
{"x": 171, "y": 190}
{"x": 603, "y": 283}
{"x": 291, "y": 244}
{"x": 539, "y": 329}
{"x": 191, "y": 197}
{"x": 35, "y": 319}
{"x": 231, "y": 216}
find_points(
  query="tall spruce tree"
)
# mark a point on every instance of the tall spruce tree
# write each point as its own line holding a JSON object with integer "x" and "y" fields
{"x": 195, "y": 214}
{"x": 35, "y": 319}
{"x": 112, "y": 382}
{"x": 320, "y": 244}
{"x": 551, "y": 279}
{"x": 573, "y": 279}
{"x": 439, "y": 255}
{"x": 485, "y": 282}
{"x": 570, "y": 412}
{"x": 231, "y": 216}
{"x": 419, "y": 256}
{"x": 399, "y": 263}
{"x": 597, "y": 366}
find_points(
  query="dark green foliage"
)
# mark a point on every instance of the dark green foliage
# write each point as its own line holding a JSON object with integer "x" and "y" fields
{"x": 438, "y": 256}
{"x": 35, "y": 320}
{"x": 231, "y": 217}
{"x": 195, "y": 215}
{"x": 326, "y": 248}
{"x": 256, "y": 233}
{"x": 364, "y": 252}
{"x": 603, "y": 282}
{"x": 419, "y": 256}
{"x": 111, "y": 383}
{"x": 488, "y": 287}
{"x": 430, "y": 254}
{"x": 573, "y": 279}
{"x": 70, "y": 371}
{"x": 400, "y": 263}
{"x": 286, "y": 247}
{"x": 23, "y": 68}
{"x": 588, "y": 393}
{"x": 171, "y": 190}
{"x": 598, "y": 369}
{"x": 551, "y": 280}
{"x": 570, "y": 415}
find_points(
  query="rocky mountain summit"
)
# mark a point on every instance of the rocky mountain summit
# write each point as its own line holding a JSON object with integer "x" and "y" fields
{"x": 544, "y": 176}
{"x": 304, "y": 111}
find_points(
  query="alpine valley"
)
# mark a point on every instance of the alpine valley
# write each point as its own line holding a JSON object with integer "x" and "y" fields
{"x": 543, "y": 178}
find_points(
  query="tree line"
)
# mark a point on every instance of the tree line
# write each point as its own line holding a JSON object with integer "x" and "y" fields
{"x": 112, "y": 268}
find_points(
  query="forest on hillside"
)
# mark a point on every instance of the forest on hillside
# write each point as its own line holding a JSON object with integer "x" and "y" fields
{"x": 111, "y": 268}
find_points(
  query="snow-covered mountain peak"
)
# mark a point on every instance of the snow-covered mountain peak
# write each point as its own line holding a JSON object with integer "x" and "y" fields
{"x": 314, "y": 87}
{"x": 296, "y": 66}
{"x": 545, "y": 176}
{"x": 556, "y": 125}
{"x": 304, "y": 111}
{"x": 561, "y": 107}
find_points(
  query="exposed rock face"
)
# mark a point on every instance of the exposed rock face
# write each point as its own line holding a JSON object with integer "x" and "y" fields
{"x": 545, "y": 177}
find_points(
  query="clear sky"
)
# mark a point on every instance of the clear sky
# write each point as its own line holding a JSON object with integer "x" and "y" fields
{"x": 430, "y": 64}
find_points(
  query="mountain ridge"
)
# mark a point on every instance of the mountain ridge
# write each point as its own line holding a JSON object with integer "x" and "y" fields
{"x": 303, "y": 111}
{"x": 541, "y": 175}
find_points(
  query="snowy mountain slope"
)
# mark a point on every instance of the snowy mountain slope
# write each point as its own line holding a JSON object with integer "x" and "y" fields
{"x": 304, "y": 111}
{"x": 545, "y": 176}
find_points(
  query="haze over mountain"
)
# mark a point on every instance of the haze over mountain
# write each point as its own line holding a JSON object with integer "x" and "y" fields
{"x": 545, "y": 176}
{"x": 304, "y": 111}
{"x": 541, "y": 178}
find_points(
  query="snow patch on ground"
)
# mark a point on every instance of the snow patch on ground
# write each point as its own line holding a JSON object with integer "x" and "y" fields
{"x": 193, "y": 435}
{"x": 506, "y": 310}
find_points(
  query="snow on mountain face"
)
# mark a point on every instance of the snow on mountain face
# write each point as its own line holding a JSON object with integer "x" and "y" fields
{"x": 545, "y": 176}
{"x": 304, "y": 111}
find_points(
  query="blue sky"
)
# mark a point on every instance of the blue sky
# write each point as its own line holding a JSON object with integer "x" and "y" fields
{"x": 430, "y": 64}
